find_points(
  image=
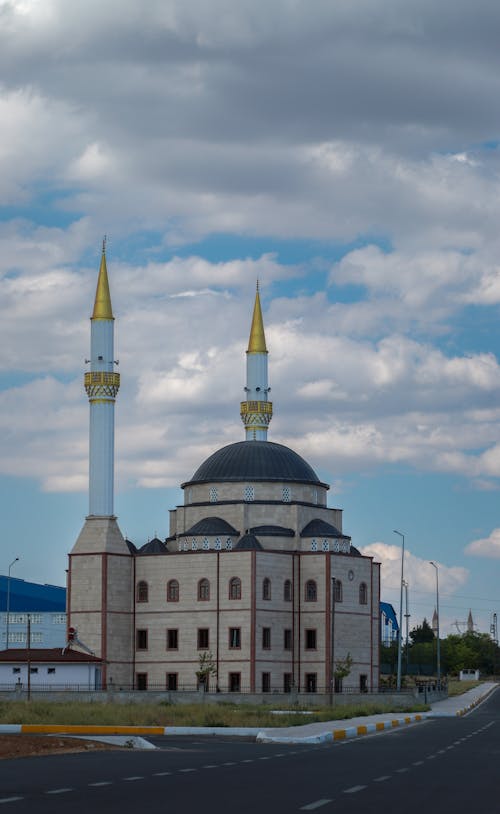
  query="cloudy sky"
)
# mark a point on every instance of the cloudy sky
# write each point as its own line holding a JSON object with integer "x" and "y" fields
{"x": 344, "y": 153}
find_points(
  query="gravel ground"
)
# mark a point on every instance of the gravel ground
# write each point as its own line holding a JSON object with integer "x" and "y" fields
{"x": 33, "y": 745}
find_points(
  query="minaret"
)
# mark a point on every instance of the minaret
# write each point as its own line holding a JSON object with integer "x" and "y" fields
{"x": 102, "y": 384}
{"x": 100, "y": 574}
{"x": 256, "y": 412}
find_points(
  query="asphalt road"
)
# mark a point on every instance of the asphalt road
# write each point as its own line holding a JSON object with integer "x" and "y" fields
{"x": 439, "y": 766}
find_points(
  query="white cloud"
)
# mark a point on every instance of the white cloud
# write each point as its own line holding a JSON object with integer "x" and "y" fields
{"x": 486, "y": 547}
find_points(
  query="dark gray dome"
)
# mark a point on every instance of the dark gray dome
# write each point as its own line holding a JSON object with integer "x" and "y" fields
{"x": 255, "y": 461}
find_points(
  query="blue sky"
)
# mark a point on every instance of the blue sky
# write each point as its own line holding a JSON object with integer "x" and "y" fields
{"x": 345, "y": 155}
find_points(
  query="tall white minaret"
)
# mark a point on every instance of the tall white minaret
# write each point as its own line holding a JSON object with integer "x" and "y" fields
{"x": 102, "y": 384}
{"x": 101, "y": 574}
{"x": 256, "y": 412}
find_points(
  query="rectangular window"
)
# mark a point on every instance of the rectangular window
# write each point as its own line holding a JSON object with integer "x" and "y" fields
{"x": 311, "y": 682}
{"x": 172, "y": 638}
{"x": 235, "y": 682}
{"x": 58, "y": 618}
{"x": 266, "y": 682}
{"x": 33, "y": 670}
{"x": 51, "y": 671}
{"x": 16, "y": 669}
{"x": 287, "y": 682}
{"x": 141, "y": 681}
{"x": 287, "y": 638}
{"x": 234, "y": 639}
{"x": 363, "y": 683}
{"x": 338, "y": 685}
{"x": 172, "y": 682}
{"x": 310, "y": 639}
{"x": 203, "y": 638}
{"x": 266, "y": 638}
{"x": 141, "y": 638}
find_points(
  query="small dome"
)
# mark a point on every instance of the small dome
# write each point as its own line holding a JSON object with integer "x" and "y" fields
{"x": 248, "y": 542}
{"x": 211, "y": 526}
{"x": 155, "y": 546}
{"x": 320, "y": 528}
{"x": 255, "y": 461}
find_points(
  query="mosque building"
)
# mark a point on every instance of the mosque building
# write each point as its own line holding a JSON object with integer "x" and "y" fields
{"x": 256, "y": 578}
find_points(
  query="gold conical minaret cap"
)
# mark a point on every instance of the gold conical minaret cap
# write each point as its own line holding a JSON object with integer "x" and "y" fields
{"x": 257, "y": 341}
{"x": 102, "y": 304}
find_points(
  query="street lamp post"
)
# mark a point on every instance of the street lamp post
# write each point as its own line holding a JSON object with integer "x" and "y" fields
{"x": 332, "y": 642}
{"x": 398, "y": 683}
{"x": 437, "y": 632}
{"x": 407, "y": 617}
{"x": 8, "y": 605}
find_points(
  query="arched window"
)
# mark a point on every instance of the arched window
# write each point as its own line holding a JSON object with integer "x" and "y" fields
{"x": 287, "y": 591}
{"x": 338, "y": 590}
{"x": 235, "y": 588}
{"x": 172, "y": 591}
{"x": 363, "y": 594}
{"x": 266, "y": 588}
{"x": 203, "y": 590}
{"x": 311, "y": 591}
{"x": 142, "y": 591}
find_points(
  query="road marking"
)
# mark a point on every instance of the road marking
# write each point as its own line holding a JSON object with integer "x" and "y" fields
{"x": 135, "y": 777}
{"x": 10, "y": 799}
{"x": 102, "y": 783}
{"x": 264, "y": 758}
{"x": 400, "y": 771}
{"x": 187, "y": 770}
{"x": 229, "y": 764}
{"x": 210, "y": 766}
{"x": 381, "y": 779}
{"x": 247, "y": 761}
{"x": 161, "y": 774}
{"x": 441, "y": 751}
{"x": 431, "y": 757}
{"x": 418, "y": 763}
{"x": 280, "y": 754}
{"x": 58, "y": 791}
{"x": 354, "y": 789}
{"x": 316, "y": 804}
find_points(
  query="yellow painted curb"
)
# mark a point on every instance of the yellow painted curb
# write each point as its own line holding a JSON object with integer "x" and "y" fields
{"x": 362, "y": 730}
{"x": 339, "y": 734}
{"x": 379, "y": 726}
{"x": 75, "y": 729}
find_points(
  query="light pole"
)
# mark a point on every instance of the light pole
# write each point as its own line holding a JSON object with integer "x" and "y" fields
{"x": 407, "y": 617}
{"x": 398, "y": 683}
{"x": 332, "y": 642}
{"x": 438, "y": 642}
{"x": 8, "y": 604}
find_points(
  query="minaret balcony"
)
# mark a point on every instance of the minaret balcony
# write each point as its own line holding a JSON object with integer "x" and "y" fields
{"x": 101, "y": 385}
{"x": 265, "y": 407}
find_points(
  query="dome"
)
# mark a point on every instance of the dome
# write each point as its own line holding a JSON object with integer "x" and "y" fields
{"x": 255, "y": 461}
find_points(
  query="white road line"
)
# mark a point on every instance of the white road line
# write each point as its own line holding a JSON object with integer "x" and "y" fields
{"x": 264, "y": 758}
{"x": 161, "y": 774}
{"x": 418, "y": 763}
{"x": 10, "y": 799}
{"x": 247, "y": 761}
{"x": 58, "y": 791}
{"x": 400, "y": 771}
{"x": 382, "y": 778}
{"x": 281, "y": 754}
{"x": 441, "y": 751}
{"x": 187, "y": 770}
{"x": 431, "y": 757}
{"x": 135, "y": 777}
{"x": 354, "y": 789}
{"x": 210, "y": 766}
{"x": 102, "y": 783}
{"x": 229, "y": 763}
{"x": 316, "y": 804}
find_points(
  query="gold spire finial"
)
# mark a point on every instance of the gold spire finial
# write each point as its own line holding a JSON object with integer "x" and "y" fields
{"x": 102, "y": 304}
{"x": 257, "y": 341}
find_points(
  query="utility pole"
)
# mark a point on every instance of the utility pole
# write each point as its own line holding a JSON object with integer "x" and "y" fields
{"x": 407, "y": 618}
{"x": 398, "y": 683}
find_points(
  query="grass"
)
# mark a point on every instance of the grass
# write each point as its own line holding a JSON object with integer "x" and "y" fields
{"x": 456, "y": 687}
{"x": 164, "y": 714}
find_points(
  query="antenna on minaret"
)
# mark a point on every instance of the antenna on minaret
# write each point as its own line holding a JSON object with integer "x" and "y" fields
{"x": 104, "y": 244}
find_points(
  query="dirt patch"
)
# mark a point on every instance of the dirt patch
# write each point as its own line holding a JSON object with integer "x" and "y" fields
{"x": 33, "y": 745}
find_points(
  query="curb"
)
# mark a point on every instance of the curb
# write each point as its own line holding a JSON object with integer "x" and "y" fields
{"x": 82, "y": 729}
{"x": 341, "y": 734}
{"x": 475, "y": 702}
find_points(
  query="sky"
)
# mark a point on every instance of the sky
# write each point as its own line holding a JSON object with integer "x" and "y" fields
{"x": 345, "y": 154}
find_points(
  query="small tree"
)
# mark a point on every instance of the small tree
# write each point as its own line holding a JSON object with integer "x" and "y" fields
{"x": 206, "y": 668}
{"x": 422, "y": 633}
{"x": 342, "y": 669}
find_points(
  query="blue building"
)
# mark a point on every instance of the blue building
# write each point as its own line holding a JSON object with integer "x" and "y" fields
{"x": 389, "y": 628}
{"x": 46, "y": 606}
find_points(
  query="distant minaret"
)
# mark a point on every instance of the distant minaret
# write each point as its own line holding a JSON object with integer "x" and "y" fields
{"x": 102, "y": 384}
{"x": 100, "y": 574}
{"x": 470, "y": 623}
{"x": 256, "y": 412}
